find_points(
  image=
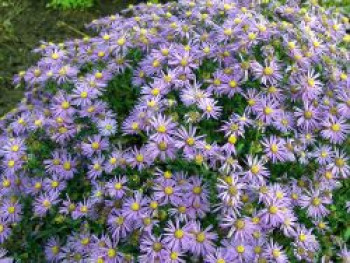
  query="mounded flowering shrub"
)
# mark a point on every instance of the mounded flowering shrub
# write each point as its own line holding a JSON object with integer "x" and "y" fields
{"x": 187, "y": 132}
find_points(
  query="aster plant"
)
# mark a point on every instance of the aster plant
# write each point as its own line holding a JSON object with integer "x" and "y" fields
{"x": 197, "y": 131}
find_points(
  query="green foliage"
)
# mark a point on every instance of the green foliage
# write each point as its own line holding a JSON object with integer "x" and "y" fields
{"x": 71, "y": 4}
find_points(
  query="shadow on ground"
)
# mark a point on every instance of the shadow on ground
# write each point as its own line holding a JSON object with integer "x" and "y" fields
{"x": 24, "y": 23}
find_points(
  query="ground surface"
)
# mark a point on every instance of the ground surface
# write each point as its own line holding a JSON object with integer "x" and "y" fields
{"x": 23, "y": 23}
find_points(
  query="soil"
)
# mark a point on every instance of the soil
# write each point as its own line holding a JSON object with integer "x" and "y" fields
{"x": 24, "y": 23}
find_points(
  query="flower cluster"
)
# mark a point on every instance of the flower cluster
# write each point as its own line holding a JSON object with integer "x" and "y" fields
{"x": 211, "y": 131}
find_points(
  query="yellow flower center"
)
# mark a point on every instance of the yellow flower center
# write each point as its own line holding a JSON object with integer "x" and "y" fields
{"x": 161, "y": 129}
{"x": 276, "y": 253}
{"x": 274, "y": 148}
{"x": 268, "y": 71}
{"x": 302, "y": 237}
{"x": 184, "y": 62}
{"x": 182, "y": 209}
{"x": 311, "y": 82}
{"x": 335, "y": 127}
{"x": 154, "y": 205}
{"x": 83, "y": 94}
{"x": 111, "y": 253}
{"x": 155, "y": 91}
{"x": 118, "y": 186}
{"x": 67, "y": 166}
{"x": 65, "y": 105}
{"x": 121, "y": 41}
{"x": 119, "y": 220}
{"x": 135, "y": 206}
{"x": 134, "y": 126}
{"x": 11, "y": 163}
{"x": 84, "y": 209}
{"x": 174, "y": 255}
{"x": 197, "y": 190}
{"x": 268, "y": 110}
{"x": 316, "y": 201}
{"x": 55, "y": 250}
{"x": 95, "y": 146}
{"x": 255, "y": 169}
{"x": 273, "y": 209}
{"x": 232, "y": 84}
{"x": 239, "y": 224}
{"x": 200, "y": 237}
{"x": 11, "y": 209}
{"x": 168, "y": 190}
{"x": 240, "y": 249}
{"x": 339, "y": 162}
{"x": 15, "y": 148}
{"x": 190, "y": 141}
{"x": 139, "y": 158}
{"x": 6, "y": 183}
{"x": 232, "y": 139}
{"x": 179, "y": 233}
{"x": 157, "y": 246}
{"x": 156, "y": 63}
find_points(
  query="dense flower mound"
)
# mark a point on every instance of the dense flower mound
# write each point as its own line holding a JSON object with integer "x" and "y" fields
{"x": 199, "y": 131}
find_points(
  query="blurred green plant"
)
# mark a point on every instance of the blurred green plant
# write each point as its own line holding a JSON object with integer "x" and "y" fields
{"x": 71, "y": 4}
{"x": 342, "y": 5}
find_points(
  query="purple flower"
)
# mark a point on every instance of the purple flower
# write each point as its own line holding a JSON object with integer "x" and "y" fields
{"x": 134, "y": 208}
{"x": 95, "y": 145}
{"x": 44, "y": 202}
{"x": 5, "y": 230}
{"x": 176, "y": 236}
{"x": 116, "y": 188}
{"x": 118, "y": 225}
{"x": 336, "y": 130}
{"x": 152, "y": 249}
{"x": 275, "y": 149}
{"x": 269, "y": 74}
{"x": 314, "y": 201}
{"x": 167, "y": 192}
{"x": 274, "y": 253}
{"x": 11, "y": 211}
{"x": 52, "y": 249}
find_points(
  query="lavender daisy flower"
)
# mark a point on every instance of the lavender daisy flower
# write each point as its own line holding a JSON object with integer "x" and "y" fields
{"x": 257, "y": 172}
{"x": 11, "y": 211}
{"x": 96, "y": 167}
{"x": 5, "y": 231}
{"x": 118, "y": 225}
{"x": 240, "y": 229}
{"x": 274, "y": 253}
{"x": 275, "y": 149}
{"x": 116, "y": 188}
{"x": 336, "y": 130}
{"x": 167, "y": 192}
{"x": 83, "y": 209}
{"x": 152, "y": 249}
{"x": 274, "y": 214}
{"x": 315, "y": 202}
{"x": 44, "y": 202}
{"x": 339, "y": 164}
{"x": 95, "y": 145}
{"x": 163, "y": 128}
{"x": 231, "y": 189}
{"x": 107, "y": 127}
{"x": 177, "y": 237}
{"x": 269, "y": 74}
{"x": 135, "y": 207}
{"x": 209, "y": 108}
{"x": 202, "y": 242}
{"x": 52, "y": 249}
